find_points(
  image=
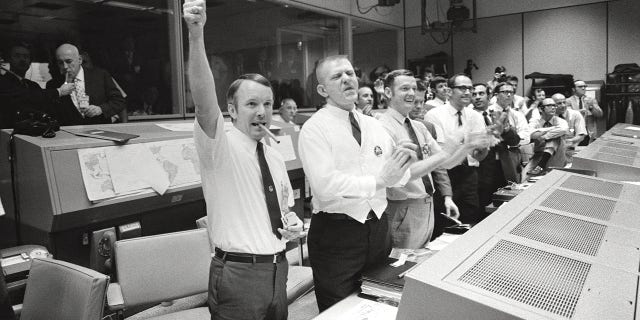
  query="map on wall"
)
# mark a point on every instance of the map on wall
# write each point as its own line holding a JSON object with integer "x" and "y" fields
{"x": 115, "y": 171}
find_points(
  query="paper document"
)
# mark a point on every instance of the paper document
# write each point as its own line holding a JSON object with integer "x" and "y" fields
{"x": 133, "y": 167}
{"x": 285, "y": 147}
{"x": 187, "y": 126}
{"x": 179, "y": 159}
{"x": 370, "y": 310}
{"x": 632, "y": 128}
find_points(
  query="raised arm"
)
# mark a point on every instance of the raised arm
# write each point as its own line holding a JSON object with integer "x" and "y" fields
{"x": 203, "y": 89}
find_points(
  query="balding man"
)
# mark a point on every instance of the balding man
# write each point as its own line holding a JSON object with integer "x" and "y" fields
{"x": 588, "y": 107}
{"x": 350, "y": 160}
{"x": 288, "y": 110}
{"x": 547, "y": 135}
{"x": 577, "y": 129}
{"x": 79, "y": 84}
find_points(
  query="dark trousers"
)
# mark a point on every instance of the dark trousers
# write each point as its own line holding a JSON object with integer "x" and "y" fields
{"x": 490, "y": 179}
{"x": 6, "y": 311}
{"x": 239, "y": 290}
{"x": 338, "y": 252}
{"x": 464, "y": 184}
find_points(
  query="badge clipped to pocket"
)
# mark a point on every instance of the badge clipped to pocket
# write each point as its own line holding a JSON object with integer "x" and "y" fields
{"x": 289, "y": 219}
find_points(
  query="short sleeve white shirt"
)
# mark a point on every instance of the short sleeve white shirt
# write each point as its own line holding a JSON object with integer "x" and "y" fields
{"x": 232, "y": 186}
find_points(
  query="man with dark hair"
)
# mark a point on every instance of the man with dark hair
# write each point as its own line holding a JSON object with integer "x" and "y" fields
{"x": 588, "y": 107}
{"x": 17, "y": 93}
{"x": 350, "y": 160}
{"x": 547, "y": 135}
{"x": 246, "y": 188}
{"x": 439, "y": 88}
{"x": 518, "y": 101}
{"x": 365, "y": 100}
{"x": 410, "y": 207}
{"x": 503, "y": 162}
{"x": 454, "y": 124}
{"x": 82, "y": 95}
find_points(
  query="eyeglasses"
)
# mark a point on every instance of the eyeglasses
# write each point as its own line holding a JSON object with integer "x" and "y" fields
{"x": 507, "y": 91}
{"x": 463, "y": 88}
{"x": 550, "y": 105}
{"x": 581, "y": 87}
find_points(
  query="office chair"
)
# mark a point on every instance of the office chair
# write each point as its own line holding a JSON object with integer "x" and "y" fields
{"x": 162, "y": 268}
{"x": 58, "y": 290}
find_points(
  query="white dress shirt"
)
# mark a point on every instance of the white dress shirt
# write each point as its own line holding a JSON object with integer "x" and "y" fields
{"x": 233, "y": 190}
{"x": 516, "y": 120}
{"x": 393, "y": 122}
{"x": 445, "y": 121}
{"x": 342, "y": 174}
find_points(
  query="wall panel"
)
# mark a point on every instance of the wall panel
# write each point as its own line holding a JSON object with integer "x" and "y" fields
{"x": 567, "y": 40}
{"x": 497, "y": 43}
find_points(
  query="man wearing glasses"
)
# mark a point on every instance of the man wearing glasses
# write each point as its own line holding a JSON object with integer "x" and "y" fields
{"x": 588, "y": 107}
{"x": 547, "y": 134}
{"x": 575, "y": 120}
{"x": 454, "y": 122}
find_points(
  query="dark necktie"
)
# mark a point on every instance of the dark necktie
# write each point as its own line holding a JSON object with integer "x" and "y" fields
{"x": 414, "y": 138}
{"x": 547, "y": 124}
{"x": 269, "y": 192}
{"x": 355, "y": 128}
{"x": 580, "y": 105}
{"x": 487, "y": 121}
{"x": 459, "y": 113}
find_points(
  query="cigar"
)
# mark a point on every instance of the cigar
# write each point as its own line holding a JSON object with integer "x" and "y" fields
{"x": 269, "y": 133}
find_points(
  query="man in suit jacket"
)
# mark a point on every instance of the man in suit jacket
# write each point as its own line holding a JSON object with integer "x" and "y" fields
{"x": 105, "y": 100}
{"x": 588, "y": 107}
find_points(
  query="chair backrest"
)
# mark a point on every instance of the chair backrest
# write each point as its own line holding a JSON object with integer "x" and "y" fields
{"x": 62, "y": 290}
{"x": 163, "y": 267}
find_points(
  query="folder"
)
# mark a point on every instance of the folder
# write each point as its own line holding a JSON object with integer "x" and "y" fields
{"x": 118, "y": 137}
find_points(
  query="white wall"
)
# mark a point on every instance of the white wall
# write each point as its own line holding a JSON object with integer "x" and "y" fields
{"x": 624, "y": 33}
{"x": 567, "y": 40}
{"x": 495, "y": 44}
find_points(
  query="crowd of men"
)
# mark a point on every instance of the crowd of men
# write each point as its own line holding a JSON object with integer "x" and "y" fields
{"x": 378, "y": 179}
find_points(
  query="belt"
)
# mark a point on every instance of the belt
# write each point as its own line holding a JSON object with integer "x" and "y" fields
{"x": 342, "y": 216}
{"x": 250, "y": 258}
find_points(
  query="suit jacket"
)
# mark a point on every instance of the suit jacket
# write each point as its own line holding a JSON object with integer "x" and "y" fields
{"x": 102, "y": 92}
{"x": 593, "y": 111}
{"x": 19, "y": 96}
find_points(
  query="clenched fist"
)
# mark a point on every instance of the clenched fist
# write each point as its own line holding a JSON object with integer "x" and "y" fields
{"x": 195, "y": 13}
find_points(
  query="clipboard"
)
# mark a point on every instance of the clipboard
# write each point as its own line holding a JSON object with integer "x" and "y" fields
{"x": 118, "y": 137}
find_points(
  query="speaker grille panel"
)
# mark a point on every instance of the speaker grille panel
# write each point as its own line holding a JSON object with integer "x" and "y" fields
{"x": 603, "y": 188}
{"x": 621, "y": 146}
{"x": 588, "y": 206}
{"x": 613, "y": 158}
{"x": 619, "y": 152}
{"x": 560, "y": 231}
{"x": 534, "y": 277}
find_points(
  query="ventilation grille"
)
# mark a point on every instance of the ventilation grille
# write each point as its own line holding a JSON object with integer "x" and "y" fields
{"x": 619, "y": 152}
{"x": 621, "y": 146}
{"x": 560, "y": 231}
{"x": 589, "y": 206}
{"x": 613, "y": 158}
{"x": 534, "y": 277}
{"x": 603, "y": 188}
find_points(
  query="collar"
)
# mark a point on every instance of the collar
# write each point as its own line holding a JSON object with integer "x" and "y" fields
{"x": 245, "y": 141}
{"x": 339, "y": 112}
{"x": 80, "y": 75}
{"x": 394, "y": 114}
{"x": 452, "y": 110}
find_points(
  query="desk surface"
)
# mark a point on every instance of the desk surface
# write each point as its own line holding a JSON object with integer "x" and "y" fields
{"x": 356, "y": 308}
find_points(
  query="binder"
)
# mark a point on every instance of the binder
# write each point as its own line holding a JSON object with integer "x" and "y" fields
{"x": 118, "y": 137}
